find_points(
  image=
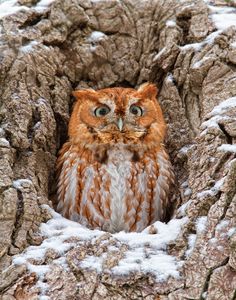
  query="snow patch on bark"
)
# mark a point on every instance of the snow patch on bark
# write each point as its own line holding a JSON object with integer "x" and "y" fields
{"x": 227, "y": 148}
{"x": 217, "y": 114}
{"x": 146, "y": 252}
{"x": 223, "y": 17}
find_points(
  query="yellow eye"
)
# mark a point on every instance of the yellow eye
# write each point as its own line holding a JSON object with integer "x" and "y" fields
{"x": 101, "y": 111}
{"x": 136, "y": 110}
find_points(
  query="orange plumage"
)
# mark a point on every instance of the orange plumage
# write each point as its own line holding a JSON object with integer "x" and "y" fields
{"x": 114, "y": 173}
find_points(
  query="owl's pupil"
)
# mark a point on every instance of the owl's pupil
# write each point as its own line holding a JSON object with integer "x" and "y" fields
{"x": 135, "y": 111}
{"x": 103, "y": 111}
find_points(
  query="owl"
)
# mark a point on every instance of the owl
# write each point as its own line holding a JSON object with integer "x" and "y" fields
{"x": 114, "y": 173}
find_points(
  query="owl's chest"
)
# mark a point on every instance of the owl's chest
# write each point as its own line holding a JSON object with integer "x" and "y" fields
{"x": 114, "y": 176}
{"x": 119, "y": 186}
{"x": 123, "y": 184}
{"x": 117, "y": 173}
{"x": 115, "y": 195}
{"x": 118, "y": 156}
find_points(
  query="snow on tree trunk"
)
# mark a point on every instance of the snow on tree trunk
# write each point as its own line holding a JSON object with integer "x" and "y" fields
{"x": 48, "y": 49}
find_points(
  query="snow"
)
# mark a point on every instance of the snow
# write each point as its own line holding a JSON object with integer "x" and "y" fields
{"x": 227, "y": 148}
{"x": 8, "y": 7}
{"x": 92, "y": 262}
{"x": 199, "y": 63}
{"x": 183, "y": 209}
{"x": 59, "y": 229}
{"x": 187, "y": 192}
{"x": 198, "y": 46}
{"x": 218, "y": 184}
{"x": 21, "y": 183}
{"x": 43, "y": 4}
{"x": 146, "y": 252}
{"x": 171, "y": 23}
{"x": 96, "y": 36}
{"x": 213, "y": 241}
{"x": 158, "y": 55}
{"x": 195, "y": 46}
{"x": 224, "y": 21}
{"x": 185, "y": 183}
{"x": 222, "y": 224}
{"x": 29, "y": 47}
{"x": 4, "y": 143}
{"x": 223, "y": 17}
{"x": 212, "y": 191}
{"x": 37, "y": 125}
{"x": 185, "y": 149}
{"x": 170, "y": 78}
{"x": 211, "y": 37}
{"x": 201, "y": 224}
{"x": 44, "y": 298}
{"x": 41, "y": 270}
{"x": 160, "y": 264}
{"x": 166, "y": 233}
{"x": 41, "y": 101}
{"x": 191, "y": 243}
{"x": 223, "y": 106}
{"x": 213, "y": 122}
{"x": 216, "y": 115}
{"x": 2, "y": 132}
{"x": 56, "y": 231}
{"x": 231, "y": 231}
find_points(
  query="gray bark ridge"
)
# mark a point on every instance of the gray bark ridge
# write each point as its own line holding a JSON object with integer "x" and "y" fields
{"x": 45, "y": 53}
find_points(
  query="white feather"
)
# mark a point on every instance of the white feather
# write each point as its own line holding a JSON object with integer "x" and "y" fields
{"x": 118, "y": 168}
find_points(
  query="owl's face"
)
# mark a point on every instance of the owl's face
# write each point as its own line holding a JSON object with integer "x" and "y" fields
{"x": 117, "y": 115}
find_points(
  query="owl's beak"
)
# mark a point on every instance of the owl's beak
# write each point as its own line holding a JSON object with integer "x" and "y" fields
{"x": 120, "y": 124}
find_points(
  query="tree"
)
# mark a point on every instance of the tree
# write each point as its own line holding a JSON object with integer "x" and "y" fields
{"x": 46, "y": 52}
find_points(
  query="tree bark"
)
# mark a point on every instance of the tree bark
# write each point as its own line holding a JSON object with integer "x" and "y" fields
{"x": 44, "y": 55}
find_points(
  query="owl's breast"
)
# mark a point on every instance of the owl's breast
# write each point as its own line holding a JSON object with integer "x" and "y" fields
{"x": 118, "y": 171}
{"x": 119, "y": 154}
{"x": 119, "y": 194}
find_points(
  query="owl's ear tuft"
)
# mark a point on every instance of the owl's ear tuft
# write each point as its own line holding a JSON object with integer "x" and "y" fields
{"x": 149, "y": 90}
{"x": 81, "y": 94}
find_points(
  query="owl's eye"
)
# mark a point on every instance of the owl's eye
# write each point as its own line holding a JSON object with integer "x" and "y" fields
{"x": 136, "y": 110}
{"x": 101, "y": 111}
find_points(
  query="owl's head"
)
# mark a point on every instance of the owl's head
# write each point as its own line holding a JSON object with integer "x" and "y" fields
{"x": 117, "y": 115}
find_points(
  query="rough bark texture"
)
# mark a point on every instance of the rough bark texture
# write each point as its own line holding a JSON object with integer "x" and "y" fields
{"x": 138, "y": 45}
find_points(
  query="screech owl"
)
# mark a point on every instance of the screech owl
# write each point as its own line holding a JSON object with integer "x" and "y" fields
{"x": 114, "y": 173}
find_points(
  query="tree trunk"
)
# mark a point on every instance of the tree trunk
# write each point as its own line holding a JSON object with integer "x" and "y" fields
{"x": 45, "y": 53}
